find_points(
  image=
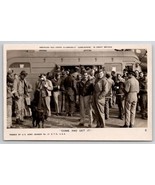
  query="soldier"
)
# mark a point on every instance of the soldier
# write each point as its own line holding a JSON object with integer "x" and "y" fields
{"x": 120, "y": 95}
{"x": 10, "y": 94}
{"x": 131, "y": 89}
{"x": 70, "y": 94}
{"x": 125, "y": 74}
{"x": 143, "y": 95}
{"x": 100, "y": 91}
{"x": 114, "y": 78}
{"x": 57, "y": 94}
{"x": 85, "y": 91}
{"x": 108, "y": 96}
{"x": 21, "y": 87}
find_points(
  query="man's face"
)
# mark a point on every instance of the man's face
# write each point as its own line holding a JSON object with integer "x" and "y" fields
{"x": 101, "y": 74}
{"x": 43, "y": 78}
{"x": 58, "y": 77}
{"x": 85, "y": 76}
{"x": 22, "y": 77}
{"x": 141, "y": 75}
{"x": 119, "y": 77}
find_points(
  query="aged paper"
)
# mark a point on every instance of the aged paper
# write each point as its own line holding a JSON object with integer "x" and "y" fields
{"x": 35, "y": 60}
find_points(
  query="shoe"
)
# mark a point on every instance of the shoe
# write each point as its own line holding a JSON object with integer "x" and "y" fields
{"x": 18, "y": 121}
{"x": 124, "y": 126}
{"x": 81, "y": 124}
{"x": 98, "y": 126}
{"x": 71, "y": 115}
{"x": 131, "y": 126}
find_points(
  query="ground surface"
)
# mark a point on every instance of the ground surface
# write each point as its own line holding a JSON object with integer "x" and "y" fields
{"x": 73, "y": 122}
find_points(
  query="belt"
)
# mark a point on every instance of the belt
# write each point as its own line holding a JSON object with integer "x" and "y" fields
{"x": 133, "y": 92}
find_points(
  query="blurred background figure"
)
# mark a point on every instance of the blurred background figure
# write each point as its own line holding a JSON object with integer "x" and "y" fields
{"x": 9, "y": 98}
{"x": 70, "y": 94}
{"x": 120, "y": 95}
{"x": 143, "y": 95}
{"x": 114, "y": 78}
{"x": 57, "y": 93}
{"x": 108, "y": 96}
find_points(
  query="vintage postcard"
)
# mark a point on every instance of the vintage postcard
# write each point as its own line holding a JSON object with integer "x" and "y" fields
{"x": 78, "y": 92}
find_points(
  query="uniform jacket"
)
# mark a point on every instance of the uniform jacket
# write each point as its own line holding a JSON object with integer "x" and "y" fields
{"x": 56, "y": 84}
{"x": 70, "y": 87}
{"x": 101, "y": 88}
{"x": 85, "y": 88}
{"x": 110, "y": 85}
{"x": 22, "y": 87}
{"x": 131, "y": 88}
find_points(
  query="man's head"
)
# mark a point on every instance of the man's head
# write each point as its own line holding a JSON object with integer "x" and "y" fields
{"x": 85, "y": 76}
{"x": 113, "y": 73}
{"x": 137, "y": 64}
{"x": 136, "y": 73}
{"x": 92, "y": 72}
{"x": 58, "y": 76}
{"x": 42, "y": 77}
{"x": 141, "y": 74}
{"x": 145, "y": 75}
{"x": 100, "y": 73}
{"x": 107, "y": 75}
{"x": 131, "y": 73}
{"x": 79, "y": 77}
{"x": 23, "y": 74}
{"x": 119, "y": 76}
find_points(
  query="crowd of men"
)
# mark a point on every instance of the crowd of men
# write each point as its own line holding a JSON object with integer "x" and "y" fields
{"x": 89, "y": 90}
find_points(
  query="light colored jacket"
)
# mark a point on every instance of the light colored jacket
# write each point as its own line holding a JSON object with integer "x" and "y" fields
{"x": 101, "y": 88}
{"x": 132, "y": 88}
{"x": 45, "y": 86}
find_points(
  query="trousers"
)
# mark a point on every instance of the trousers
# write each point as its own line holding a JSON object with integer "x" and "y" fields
{"x": 47, "y": 101}
{"x": 130, "y": 112}
{"x": 98, "y": 105}
{"x": 86, "y": 108}
{"x": 20, "y": 112}
{"x": 57, "y": 99}
{"x": 9, "y": 116}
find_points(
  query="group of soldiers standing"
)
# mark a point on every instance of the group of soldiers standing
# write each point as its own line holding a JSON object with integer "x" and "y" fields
{"x": 91, "y": 91}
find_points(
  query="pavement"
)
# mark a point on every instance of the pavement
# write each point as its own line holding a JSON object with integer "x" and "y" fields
{"x": 73, "y": 122}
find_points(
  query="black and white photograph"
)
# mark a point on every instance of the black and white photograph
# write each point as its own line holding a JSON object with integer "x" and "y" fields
{"x": 77, "y": 92}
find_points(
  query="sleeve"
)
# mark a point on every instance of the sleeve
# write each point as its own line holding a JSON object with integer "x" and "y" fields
{"x": 75, "y": 86}
{"x": 50, "y": 86}
{"x": 127, "y": 86}
{"x": 15, "y": 87}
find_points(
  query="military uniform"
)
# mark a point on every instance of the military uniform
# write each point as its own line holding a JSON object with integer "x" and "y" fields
{"x": 120, "y": 97}
{"x": 57, "y": 94}
{"x": 85, "y": 91}
{"x": 70, "y": 93}
{"x": 100, "y": 90}
{"x": 143, "y": 97}
{"x": 131, "y": 88}
{"x": 108, "y": 97}
{"x": 21, "y": 89}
